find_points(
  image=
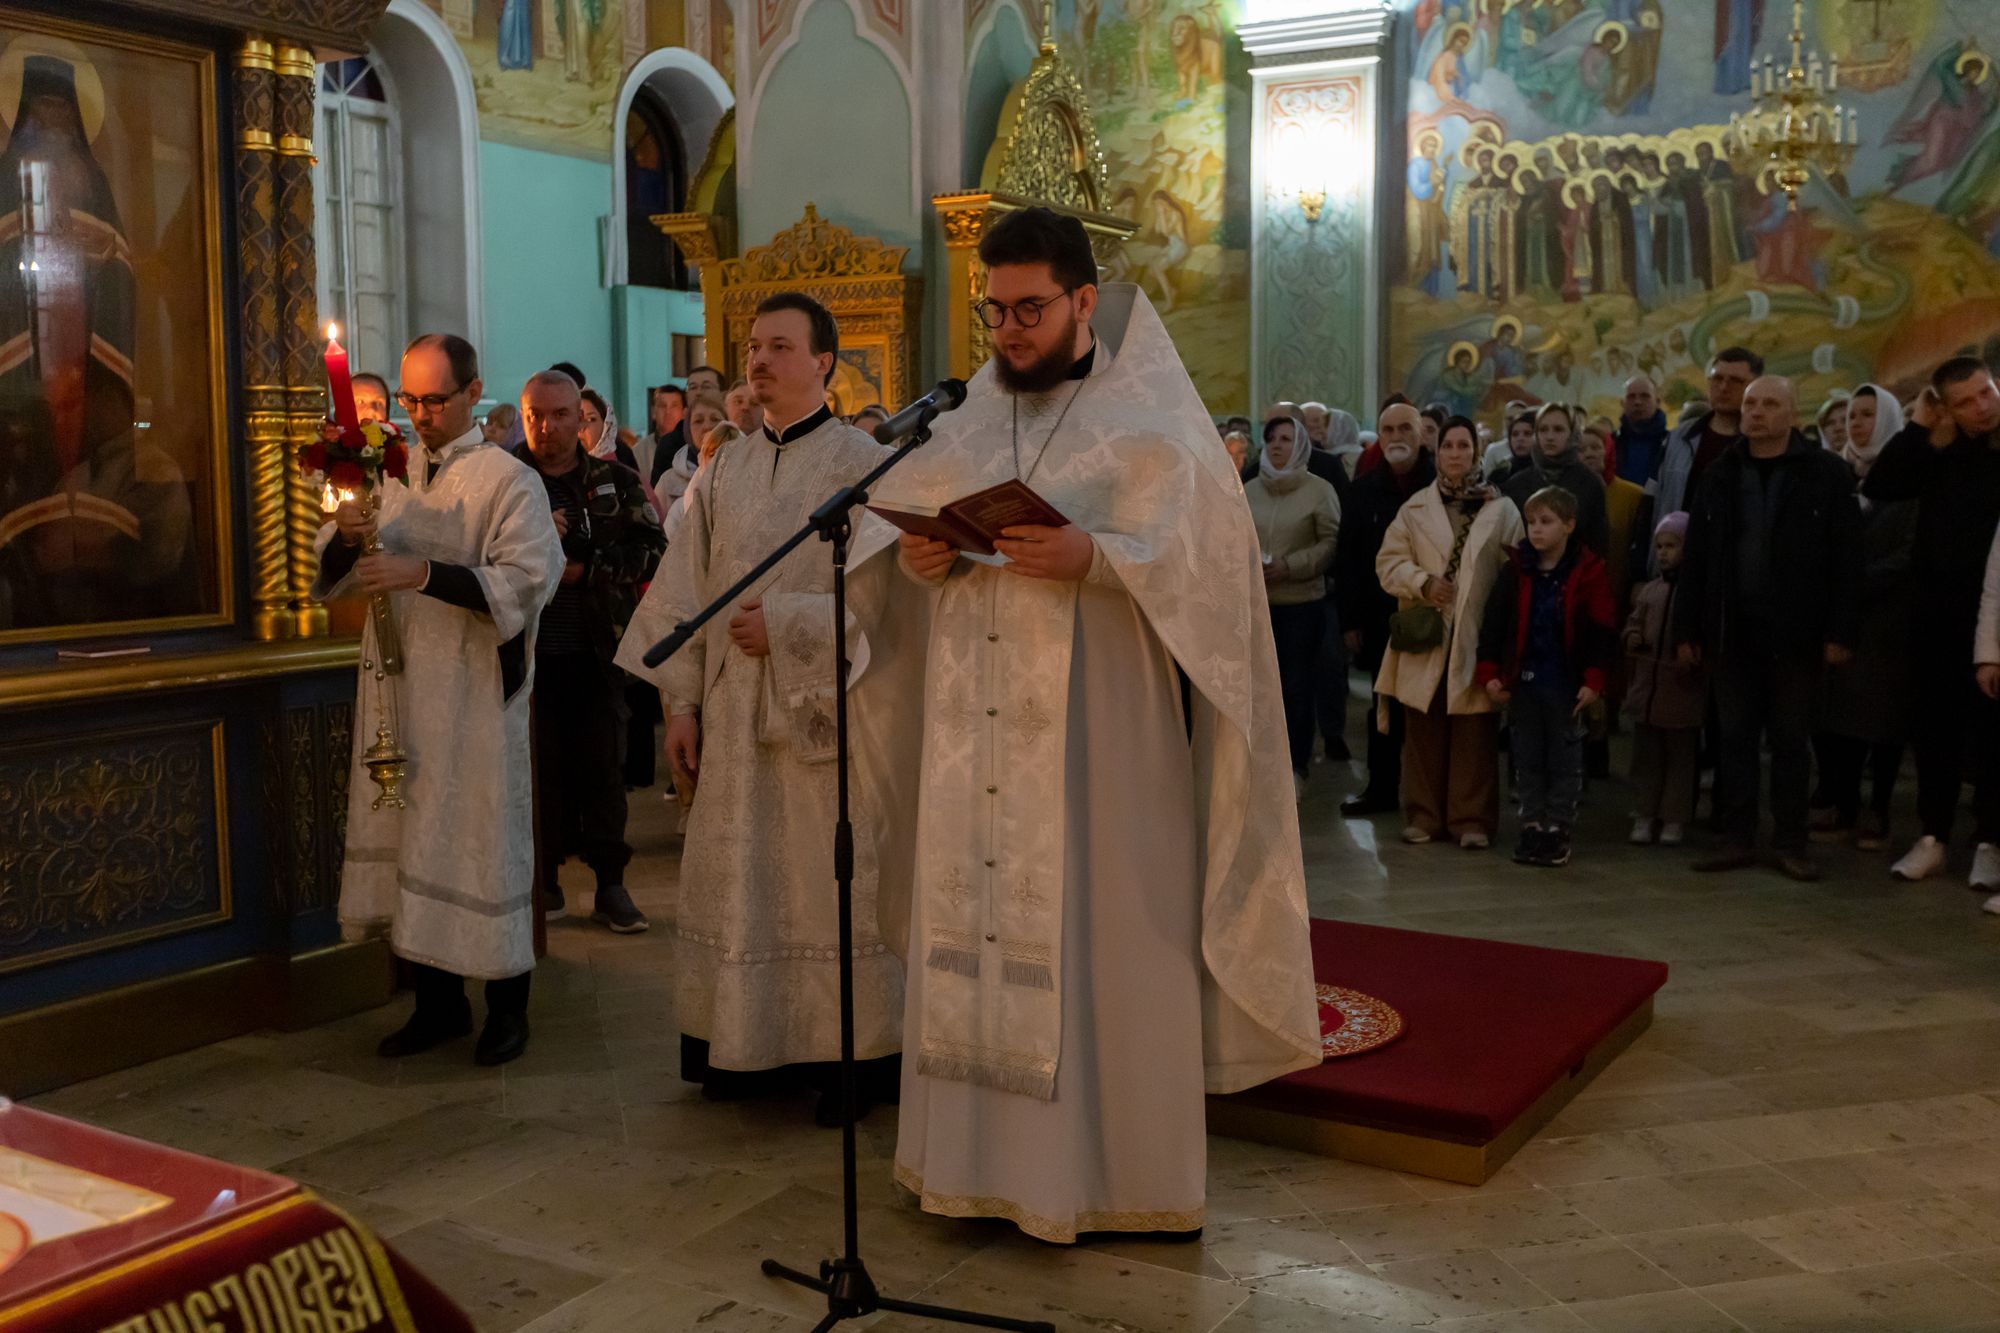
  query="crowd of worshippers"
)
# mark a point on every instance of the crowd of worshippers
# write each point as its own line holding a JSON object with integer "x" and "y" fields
{"x": 617, "y": 496}
{"x": 1726, "y": 583}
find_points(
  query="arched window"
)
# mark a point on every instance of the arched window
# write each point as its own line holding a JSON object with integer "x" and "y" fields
{"x": 656, "y": 181}
{"x": 362, "y": 253}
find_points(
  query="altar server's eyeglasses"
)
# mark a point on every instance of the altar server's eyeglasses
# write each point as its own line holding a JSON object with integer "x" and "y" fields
{"x": 430, "y": 402}
{"x": 1027, "y": 313}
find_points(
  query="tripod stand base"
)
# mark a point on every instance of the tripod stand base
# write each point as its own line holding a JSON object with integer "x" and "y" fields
{"x": 850, "y": 1294}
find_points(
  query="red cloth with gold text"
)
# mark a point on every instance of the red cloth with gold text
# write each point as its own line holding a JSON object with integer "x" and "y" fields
{"x": 103, "y": 1232}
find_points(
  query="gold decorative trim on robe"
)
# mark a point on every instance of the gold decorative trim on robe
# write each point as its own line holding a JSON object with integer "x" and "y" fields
{"x": 1045, "y": 1228}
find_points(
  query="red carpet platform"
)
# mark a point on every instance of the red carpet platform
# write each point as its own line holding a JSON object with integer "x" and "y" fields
{"x": 1496, "y": 1039}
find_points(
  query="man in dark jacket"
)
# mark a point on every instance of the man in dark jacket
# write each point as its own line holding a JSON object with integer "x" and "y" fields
{"x": 1770, "y": 595}
{"x": 611, "y": 541}
{"x": 1692, "y": 446}
{"x": 1948, "y": 461}
{"x": 1555, "y": 463}
{"x": 1642, "y": 432}
{"x": 1370, "y": 503}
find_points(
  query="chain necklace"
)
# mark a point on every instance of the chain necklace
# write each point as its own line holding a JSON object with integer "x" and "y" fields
{"x": 1045, "y": 439}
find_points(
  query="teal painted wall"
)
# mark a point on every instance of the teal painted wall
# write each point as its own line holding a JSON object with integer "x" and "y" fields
{"x": 856, "y": 167}
{"x": 644, "y": 322}
{"x": 1003, "y": 60}
{"x": 545, "y": 298}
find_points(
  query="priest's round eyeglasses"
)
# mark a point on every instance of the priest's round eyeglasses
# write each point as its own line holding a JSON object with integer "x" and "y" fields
{"x": 430, "y": 402}
{"x": 1027, "y": 313}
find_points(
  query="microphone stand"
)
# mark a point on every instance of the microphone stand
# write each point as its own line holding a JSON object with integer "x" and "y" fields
{"x": 850, "y": 1292}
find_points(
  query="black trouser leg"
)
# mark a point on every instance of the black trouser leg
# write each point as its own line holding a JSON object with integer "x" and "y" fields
{"x": 642, "y": 741}
{"x": 1840, "y": 762}
{"x": 1741, "y": 706}
{"x": 1984, "y": 734}
{"x": 1385, "y": 754}
{"x": 438, "y": 992}
{"x": 1940, "y": 712}
{"x": 1792, "y": 688}
{"x": 1330, "y": 683}
{"x": 1886, "y": 764}
{"x": 580, "y": 710}
{"x": 509, "y": 995}
{"x": 1298, "y": 630}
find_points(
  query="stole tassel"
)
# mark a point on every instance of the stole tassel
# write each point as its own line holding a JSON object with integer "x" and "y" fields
{"x": 964, "y": 962}
{"x": 1015, "y": 972}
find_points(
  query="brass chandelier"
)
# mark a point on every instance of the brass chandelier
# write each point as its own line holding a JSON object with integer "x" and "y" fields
{"x": 1793, "y": 127}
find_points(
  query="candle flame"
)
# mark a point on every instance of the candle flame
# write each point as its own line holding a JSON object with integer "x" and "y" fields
{"x": 331, "y": 499}
{"x": 333, "y": 332}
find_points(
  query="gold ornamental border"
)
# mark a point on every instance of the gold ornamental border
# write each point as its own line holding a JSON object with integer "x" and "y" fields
{"x": 225, "y": 909}
{"x": 70, "y": 682}
{"x": 208, "y": 188}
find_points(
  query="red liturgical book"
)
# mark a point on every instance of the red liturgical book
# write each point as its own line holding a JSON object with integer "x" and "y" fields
{"x": 973, "y": 523}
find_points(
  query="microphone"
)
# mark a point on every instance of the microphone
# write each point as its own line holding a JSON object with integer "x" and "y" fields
{"x": 947, "y": 395}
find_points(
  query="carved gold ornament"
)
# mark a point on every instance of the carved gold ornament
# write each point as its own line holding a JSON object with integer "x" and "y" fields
{"x": 815, "y": 248}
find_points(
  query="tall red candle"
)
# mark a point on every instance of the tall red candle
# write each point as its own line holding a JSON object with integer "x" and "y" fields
{"x": 340, "y": 384}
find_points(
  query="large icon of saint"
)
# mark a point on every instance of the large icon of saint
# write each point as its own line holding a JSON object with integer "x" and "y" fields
{"x": 94, "y": 523}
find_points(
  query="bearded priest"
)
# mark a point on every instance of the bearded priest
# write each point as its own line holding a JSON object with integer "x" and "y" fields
{"x": 1107, "y": 908}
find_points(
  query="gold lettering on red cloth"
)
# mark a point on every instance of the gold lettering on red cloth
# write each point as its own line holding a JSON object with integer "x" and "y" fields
{"x": 321, "y": 1285}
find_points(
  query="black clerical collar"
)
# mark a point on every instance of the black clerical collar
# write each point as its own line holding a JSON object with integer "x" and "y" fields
{"x": 798, "y": 429}
{"x": 1081, "y": 370}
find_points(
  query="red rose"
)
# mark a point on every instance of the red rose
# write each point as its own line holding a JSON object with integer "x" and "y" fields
{"x": 396, "y": 460}
{"x": 313, "y": 457}
{"x": 347, "y": 477}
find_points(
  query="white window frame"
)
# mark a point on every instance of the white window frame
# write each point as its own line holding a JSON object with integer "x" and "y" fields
{"x": 335, "y": 111}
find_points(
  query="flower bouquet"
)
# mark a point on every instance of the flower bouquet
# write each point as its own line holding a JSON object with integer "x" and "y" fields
{"x": 350, "y": 462}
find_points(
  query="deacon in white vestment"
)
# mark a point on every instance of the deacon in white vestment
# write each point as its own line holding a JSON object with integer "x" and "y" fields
{"x": 1108, "y": 913}
{"x": 750, "y": 704}
{"x": 469, "y": 558}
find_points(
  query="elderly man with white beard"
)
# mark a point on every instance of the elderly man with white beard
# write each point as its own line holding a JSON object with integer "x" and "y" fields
{"x": 1371, "y": 502}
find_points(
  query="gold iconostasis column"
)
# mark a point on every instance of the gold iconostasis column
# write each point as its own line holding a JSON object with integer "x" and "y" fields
{"x": 262, "y": 347}
{"x": 298, "y": 286}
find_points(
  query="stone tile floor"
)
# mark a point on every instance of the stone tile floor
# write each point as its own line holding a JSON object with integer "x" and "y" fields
{"x": 1807, "y": 1139}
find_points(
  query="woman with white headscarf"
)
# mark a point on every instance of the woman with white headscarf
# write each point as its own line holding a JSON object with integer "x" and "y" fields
{"x": 1297, "y": 521}
{"x": 1864, "y": 703}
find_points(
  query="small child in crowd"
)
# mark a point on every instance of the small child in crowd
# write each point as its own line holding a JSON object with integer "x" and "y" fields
{"x": 1665, "y": 700}
{"x": 1546, "y": 644}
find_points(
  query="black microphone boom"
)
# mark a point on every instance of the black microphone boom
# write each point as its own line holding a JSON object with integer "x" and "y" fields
{"x": 948, "y": 395}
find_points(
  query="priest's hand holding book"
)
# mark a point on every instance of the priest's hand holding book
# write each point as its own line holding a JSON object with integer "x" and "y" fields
{"x": 1062, "y": 554}
{"x": 1007, "y": 524}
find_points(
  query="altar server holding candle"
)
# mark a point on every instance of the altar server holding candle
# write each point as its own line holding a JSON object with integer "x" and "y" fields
{"x": 469, "y": 556}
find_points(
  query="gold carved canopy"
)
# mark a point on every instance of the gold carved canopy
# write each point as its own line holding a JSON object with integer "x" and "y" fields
{"x": 860, "y": 279}
{"x": 1046, "y": 153}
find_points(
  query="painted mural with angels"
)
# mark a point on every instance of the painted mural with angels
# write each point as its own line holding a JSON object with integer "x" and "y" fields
{"x": 1571, "y": 215}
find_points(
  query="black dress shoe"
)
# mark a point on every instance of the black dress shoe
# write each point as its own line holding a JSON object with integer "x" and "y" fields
{"x": 504, "y": 1038}
{"x": 1359, "y": 806}
{"x": 427, "y": 1029}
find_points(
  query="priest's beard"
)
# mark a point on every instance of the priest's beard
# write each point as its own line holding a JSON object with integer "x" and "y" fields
{"x": 1044, "y": 372}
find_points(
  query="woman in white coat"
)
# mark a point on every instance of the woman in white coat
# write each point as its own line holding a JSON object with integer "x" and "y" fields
{"x": 1443, "y": 550}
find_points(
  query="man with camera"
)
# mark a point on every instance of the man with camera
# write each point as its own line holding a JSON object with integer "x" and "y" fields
{"x": 611, "y": 542}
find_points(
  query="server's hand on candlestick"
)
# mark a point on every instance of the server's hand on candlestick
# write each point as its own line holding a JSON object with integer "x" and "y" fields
{"x": 356, "y": 522}
{"x": 392, "y": 573}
